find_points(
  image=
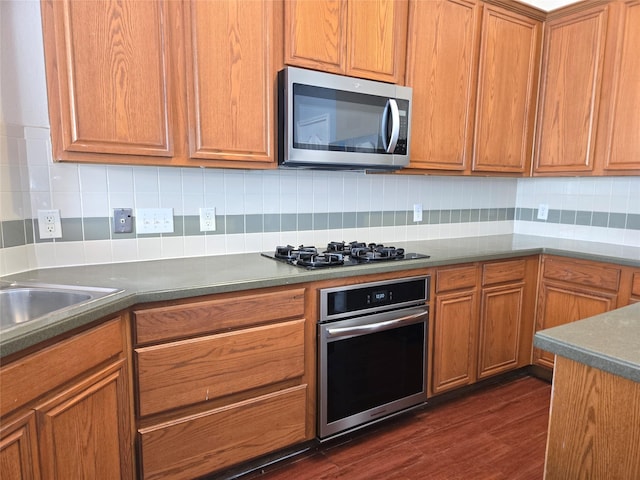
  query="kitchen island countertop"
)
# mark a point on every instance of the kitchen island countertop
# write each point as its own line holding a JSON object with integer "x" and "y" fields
{"x": 609, "y": 341}
{"x": 170, "y": 279}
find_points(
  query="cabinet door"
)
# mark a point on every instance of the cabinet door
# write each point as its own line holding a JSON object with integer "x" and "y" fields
{"x": 109, "y": 85}
{"x": 570, "y": 90}
{"x": 232, "y": 59}
{"x": 85, "y": 431}
{"x": 454, "y": 339}
{"x": 507, "y": 88}
{"x": 376, "y": 41}
{"x": 442, "y": 69}
{"x": 315, "y": 34}
{"x": 560, "y": 304}
{"x": 19, "y": 449}
{"x": 618, "y": 139}
{"x": 500, "y": 325}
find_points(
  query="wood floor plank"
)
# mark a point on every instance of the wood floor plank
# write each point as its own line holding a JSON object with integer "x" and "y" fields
{"x": 496, "y": 433}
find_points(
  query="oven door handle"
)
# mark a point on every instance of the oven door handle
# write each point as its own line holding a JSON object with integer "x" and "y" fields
{"x": 376, "y": 327}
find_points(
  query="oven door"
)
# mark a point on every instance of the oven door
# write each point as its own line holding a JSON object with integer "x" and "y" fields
{"x": 371, "y": 367}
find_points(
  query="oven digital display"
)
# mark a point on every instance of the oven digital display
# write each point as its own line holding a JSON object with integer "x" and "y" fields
{"x": 380, "y": 296}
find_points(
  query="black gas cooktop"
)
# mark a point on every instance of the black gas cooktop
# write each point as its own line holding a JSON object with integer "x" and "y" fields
{"x": 340, "y": 254}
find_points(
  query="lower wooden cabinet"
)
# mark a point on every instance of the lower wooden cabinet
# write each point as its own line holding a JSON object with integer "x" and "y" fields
{"x": 482, "y": 321}
{"x": 571, "y": 290}
{"x": 231, "y": 380}
{"x": 66, "y": 409}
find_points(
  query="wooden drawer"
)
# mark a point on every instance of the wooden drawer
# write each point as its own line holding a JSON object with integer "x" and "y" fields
{"x": 208, "y": 316}
{"x": 456, "y": 278}
{"x": 201, "y": 369}
{"x": 28, "y": 378}
{"x": 500, "y": 272}
{"x": 590, "y": 274}
{"x": 209, "y": 441}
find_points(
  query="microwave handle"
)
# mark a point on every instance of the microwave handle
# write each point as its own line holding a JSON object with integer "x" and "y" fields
{"x": 390, "y": 108}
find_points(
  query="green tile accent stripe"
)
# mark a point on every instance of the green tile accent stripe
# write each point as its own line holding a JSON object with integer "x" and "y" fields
{"x": 22, "y": 232}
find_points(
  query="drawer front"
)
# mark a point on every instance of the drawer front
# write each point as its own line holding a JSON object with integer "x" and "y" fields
{"x": 28, "y": 378}
{"x": 209, "y": 441}
{"x": 456, "y": 278}
{"x": 209, "y": 316}
{"x": 511, "y": 271}
{"x": 197, "y": 370}
{"x": 582, "y": 273}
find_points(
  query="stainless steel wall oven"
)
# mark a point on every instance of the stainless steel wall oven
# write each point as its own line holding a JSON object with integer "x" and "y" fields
{"x": 372, "y": 352}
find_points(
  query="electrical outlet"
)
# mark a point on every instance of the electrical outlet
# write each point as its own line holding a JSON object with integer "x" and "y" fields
{"x": 543, "y": 211}
{"x": 154, "y": 220}
{"x": 208, "y": 219}
{"x": 122, "y": 220}
{"x": 417, "y": 212}
{"x": 49, "y": 225}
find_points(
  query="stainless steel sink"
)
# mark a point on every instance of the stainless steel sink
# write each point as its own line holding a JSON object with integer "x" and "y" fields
{"x": 26, "y": 302}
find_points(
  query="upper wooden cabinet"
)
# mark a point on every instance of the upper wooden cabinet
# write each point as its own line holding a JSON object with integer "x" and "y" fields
{"x": 109, "y": 79}
{"x": 507, "y": 92}
{"x": 164, "y": 83}
{"x": 474, "y": 72}
{"x": 588, "y": 122}
{"x": 618, "y": 134}
{"x": 364, "y": 39}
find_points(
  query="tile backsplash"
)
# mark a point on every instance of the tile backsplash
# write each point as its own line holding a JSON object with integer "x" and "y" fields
{"x": 256, "y": 210}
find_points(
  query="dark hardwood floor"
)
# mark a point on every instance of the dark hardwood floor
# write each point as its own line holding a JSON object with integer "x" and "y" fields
{"x": 498, "y": 432}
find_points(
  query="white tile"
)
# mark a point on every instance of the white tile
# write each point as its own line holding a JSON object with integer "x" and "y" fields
{"x": 216, "y": 244}
{"x": 38, "y": 152}
{"x": 195, "y": 246}
{"x": 98, "y": 251}
{"x": 64, "y": 177}
{"x": 95, "y": 204}
{"x": 120, "y": 179}
{"x": 145, "y": 179}
{"x": 68, "y": 203}
{"x": 172, "y": 247}
{"x": 93, "y": 178}
{"x": 39, "y": 178}
{"x": 125, "y": 250}
{"x": 149, "y": 248}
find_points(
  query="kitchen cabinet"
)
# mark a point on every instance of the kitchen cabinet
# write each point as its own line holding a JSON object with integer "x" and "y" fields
{"x": 571, "y": 290}
{"x": 222, "y": 379}
{"x": 181, "y": 83}
{"x": 483, "y": 321}
{"x": 349, "y": 37}
{"x": 617, "y": 149}
{"x": 507, "y": 305}
{"x": 587, "y": 111}
{"x": 66, "y": 409}
{"x": 455, "y": 328}
{"x": 473, "y": 67}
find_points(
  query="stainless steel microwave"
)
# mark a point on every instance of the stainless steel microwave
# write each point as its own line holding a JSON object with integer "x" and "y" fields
{"x": 335, "y": 122}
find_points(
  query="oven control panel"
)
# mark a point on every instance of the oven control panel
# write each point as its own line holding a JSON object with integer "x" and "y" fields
{"x": 344, "y": 302}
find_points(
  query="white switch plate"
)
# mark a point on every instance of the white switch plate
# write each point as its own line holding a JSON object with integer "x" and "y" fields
{"x": 49, "y": 224}
{"x": 543, "y": 211}
{"x": 417, "y": 212}
{"x": 208, "y": 219}
{"x": 154, "y": 220}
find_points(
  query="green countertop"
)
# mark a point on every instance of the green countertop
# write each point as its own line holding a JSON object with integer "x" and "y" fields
{"x": 171, "y": 279}
{"x": 609, "y": 341}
